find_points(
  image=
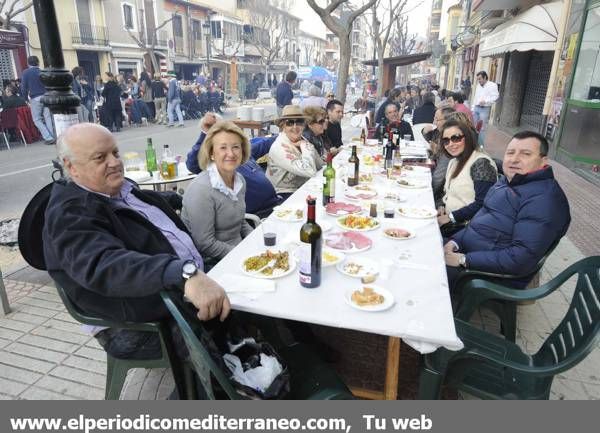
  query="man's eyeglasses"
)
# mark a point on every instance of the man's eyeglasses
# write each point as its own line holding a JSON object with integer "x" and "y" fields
{"x": 292, "y": 122}
{"x": 444, "y": 141}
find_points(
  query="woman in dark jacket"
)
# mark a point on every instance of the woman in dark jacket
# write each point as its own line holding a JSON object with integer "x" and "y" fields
{"x": 112, "y": 103}
{"x": 426, "y": 112}
{"x": 314, "y": 132}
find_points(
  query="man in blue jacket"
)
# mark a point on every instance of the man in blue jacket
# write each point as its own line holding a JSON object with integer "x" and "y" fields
{"x": 284, "y": 93}
{"x": 260, "y": 194}
{"x": 32, "y": 88}
{"x": 522, "y": 215}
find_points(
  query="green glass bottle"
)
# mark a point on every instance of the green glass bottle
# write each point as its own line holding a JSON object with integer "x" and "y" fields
{"x": 329, "y": 181}
{"x": 151, "y": 164}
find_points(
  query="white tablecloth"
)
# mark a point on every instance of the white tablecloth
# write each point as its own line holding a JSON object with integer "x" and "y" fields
{"x": 421, "y": 315}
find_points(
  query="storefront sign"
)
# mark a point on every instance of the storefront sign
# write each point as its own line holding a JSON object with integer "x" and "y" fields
{"x": 10, "y": 40}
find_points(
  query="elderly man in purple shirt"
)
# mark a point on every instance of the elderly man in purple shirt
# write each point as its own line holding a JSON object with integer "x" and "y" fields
{"x": 114, "y": 247}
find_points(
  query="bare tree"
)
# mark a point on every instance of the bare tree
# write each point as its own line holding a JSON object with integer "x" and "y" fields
{"x": 148, "y": 44}
{"x": 342, "y": 28}
{"x": 7, "y": 16}
{"x": 402, "y": 43}
{"x": 381, "y": 30}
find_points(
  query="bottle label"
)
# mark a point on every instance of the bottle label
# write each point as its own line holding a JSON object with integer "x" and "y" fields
{"x": 304, "y": 254}
{"x": 331, "y": 189}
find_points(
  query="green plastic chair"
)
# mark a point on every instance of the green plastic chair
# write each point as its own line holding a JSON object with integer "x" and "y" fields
{"x": 311, "y": 378}
{"x": 117, "y": 368}
{"x": 491, "y": 367}
{"x": 466, "y": 300}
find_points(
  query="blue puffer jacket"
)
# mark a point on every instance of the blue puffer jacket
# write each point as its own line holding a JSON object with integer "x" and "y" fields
{"x": 517, "y": 224}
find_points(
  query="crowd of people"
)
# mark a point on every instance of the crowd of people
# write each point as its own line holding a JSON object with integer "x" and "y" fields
{"x": 113, "y": 100}
{"x": 114, "y": 247}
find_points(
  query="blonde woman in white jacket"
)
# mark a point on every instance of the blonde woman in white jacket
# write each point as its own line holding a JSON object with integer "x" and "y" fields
{"x": 292, "y": 159}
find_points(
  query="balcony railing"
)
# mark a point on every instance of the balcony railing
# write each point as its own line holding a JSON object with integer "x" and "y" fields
{"x": 161, "y": 39}
{"x": 87, "y": 34}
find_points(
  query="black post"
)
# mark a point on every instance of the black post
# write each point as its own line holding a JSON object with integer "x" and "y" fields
{"x": 59, "y": 97}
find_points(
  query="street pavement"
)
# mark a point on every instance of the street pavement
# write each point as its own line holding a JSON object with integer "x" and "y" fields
{"x": 44, "y": 354}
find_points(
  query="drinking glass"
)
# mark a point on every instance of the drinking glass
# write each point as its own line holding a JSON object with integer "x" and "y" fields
{"x": 269, "y": 228}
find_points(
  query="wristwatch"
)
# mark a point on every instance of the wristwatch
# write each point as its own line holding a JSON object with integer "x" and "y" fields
{"x": 189, "y": 269}
{"x": 463, "y": 261}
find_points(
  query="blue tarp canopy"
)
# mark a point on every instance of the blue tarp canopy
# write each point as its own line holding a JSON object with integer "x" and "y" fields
{"x": 314, "y": 73}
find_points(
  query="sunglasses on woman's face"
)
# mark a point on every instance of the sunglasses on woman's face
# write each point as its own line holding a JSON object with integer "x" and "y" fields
{"x": 453, "y": 138}
{"x": 321, "y": 121}
{"x": 292, "y": 122}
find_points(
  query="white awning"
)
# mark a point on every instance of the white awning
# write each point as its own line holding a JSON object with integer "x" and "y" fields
{"x": 534, "y": 29}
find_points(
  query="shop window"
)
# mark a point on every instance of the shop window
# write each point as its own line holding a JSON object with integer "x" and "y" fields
{"x": 586, "y": 81}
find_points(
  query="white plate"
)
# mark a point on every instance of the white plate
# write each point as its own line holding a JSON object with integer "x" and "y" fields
{"x": 387, "y": 302}
{"x": 288, "y": 214}
{"x": 416, "y": 169}
{"x": 339, "y": 257}
{"x": 353, "y": 194}
{"x": 372, "y": 142}
{"x": 291, "y": 263}
{"x": 412, "y": 184}
{"x": 366, "y": 267}
{"x": 366, "y": 229}
{"x": 394, "y": 196}
{"x": 352, "y": 250}
{"x": 417, "y": 212}
{"x": 412, "y": 234}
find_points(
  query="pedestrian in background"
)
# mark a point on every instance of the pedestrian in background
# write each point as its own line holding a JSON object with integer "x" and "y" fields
{"x": 159, "y": 96}
{"x": 32, "y": 88}
{"x": 174, "y": 101}
{"x": 486, "y": 95}
{"x": 284, "y": 94}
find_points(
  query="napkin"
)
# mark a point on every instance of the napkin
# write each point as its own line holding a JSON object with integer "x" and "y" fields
{"x": 248, "y": 286}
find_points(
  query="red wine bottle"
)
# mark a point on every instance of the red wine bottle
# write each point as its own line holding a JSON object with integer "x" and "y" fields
{"x": 311, "y": 245}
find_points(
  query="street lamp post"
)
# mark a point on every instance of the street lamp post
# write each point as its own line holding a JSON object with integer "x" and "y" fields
{"x": 59, "y": 97}
{"x": 207, "y": 33}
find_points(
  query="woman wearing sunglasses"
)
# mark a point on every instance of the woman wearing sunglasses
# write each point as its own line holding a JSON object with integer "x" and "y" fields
{"x": 314, "y": 132}
{"x": 292, "y": 159}
{"x": 469, "y": 176}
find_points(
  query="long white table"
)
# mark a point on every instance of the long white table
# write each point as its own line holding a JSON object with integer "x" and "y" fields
{"x": 422, "y": 313}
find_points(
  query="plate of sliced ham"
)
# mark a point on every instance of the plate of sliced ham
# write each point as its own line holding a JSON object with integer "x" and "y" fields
{"x": 348, "y": 242}
{"x": 340, "y": 208}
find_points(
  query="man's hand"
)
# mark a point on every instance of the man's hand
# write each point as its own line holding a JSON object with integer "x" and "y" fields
{"x": 207, "y": 296}
{"x": 443, "y": 218}
{"x": 450, "y": 247}
{"x": 334, "y": 150}
{"x": 453, "y": 259}
{"x": 208, "y": 121}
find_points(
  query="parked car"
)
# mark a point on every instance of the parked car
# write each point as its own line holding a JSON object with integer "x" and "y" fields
{"x": 264, "y": 93}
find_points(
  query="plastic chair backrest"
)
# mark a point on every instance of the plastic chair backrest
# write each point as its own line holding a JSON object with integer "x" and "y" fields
{"x": 31, "y": 227}
{"x": 205, "y": 367}
{"x": 8, "y": 118}
{"x": 418, "y": 131}
{"x": 578, "y": 333}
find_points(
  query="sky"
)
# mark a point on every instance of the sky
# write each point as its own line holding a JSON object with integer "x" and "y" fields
{"x": 311, "y": 23}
